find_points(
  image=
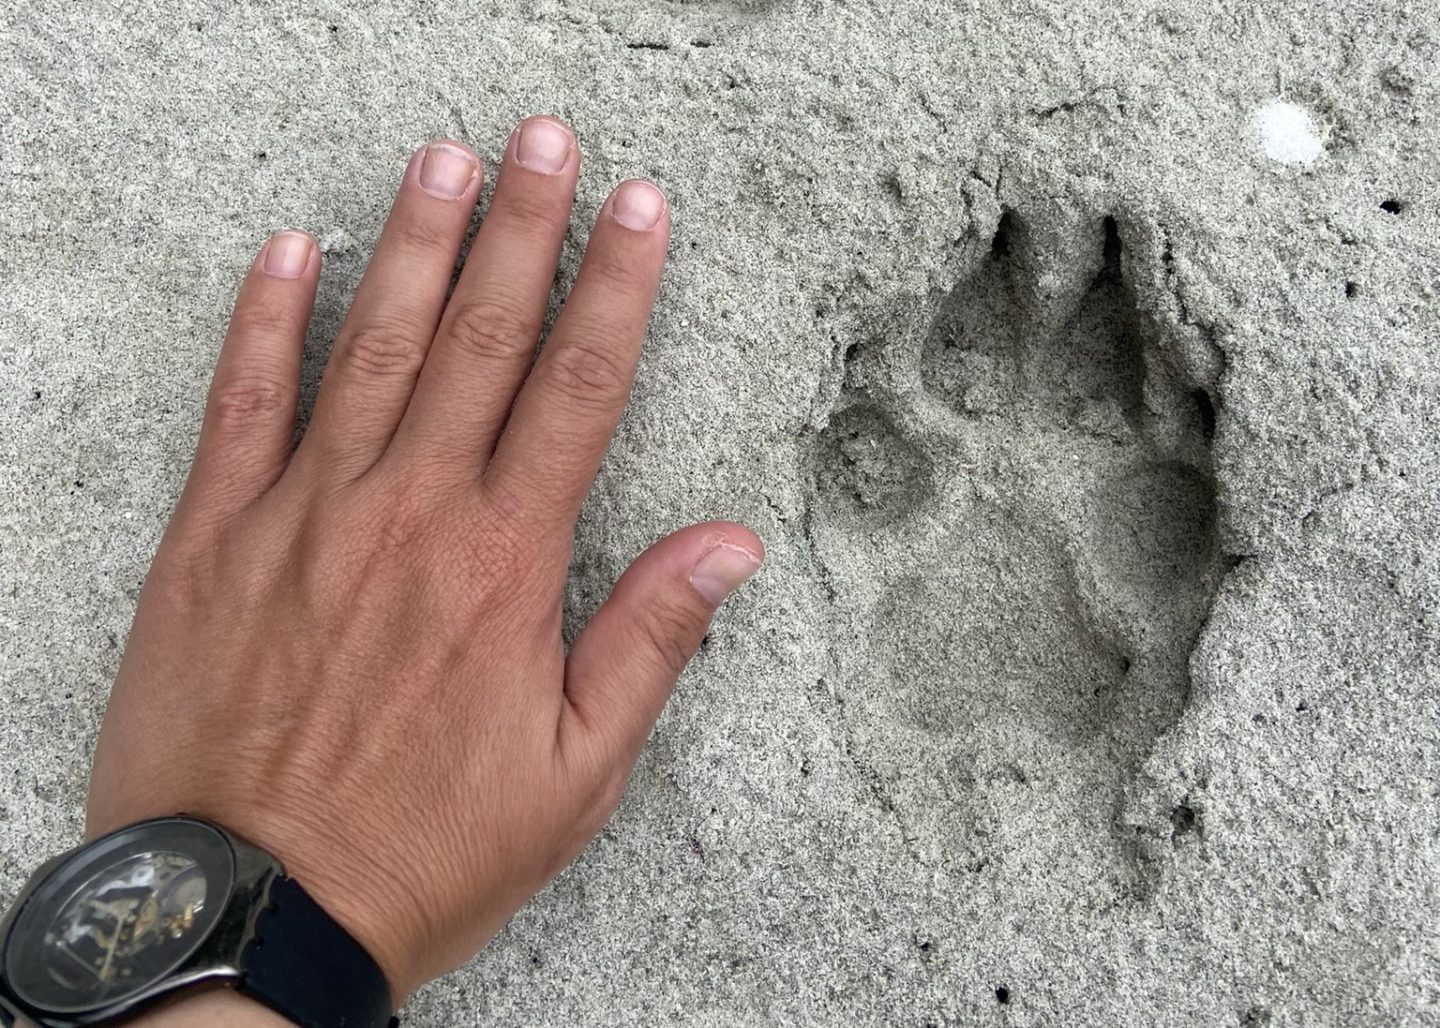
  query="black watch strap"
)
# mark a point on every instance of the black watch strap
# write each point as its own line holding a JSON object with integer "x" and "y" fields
{"x": 303, "y": 965}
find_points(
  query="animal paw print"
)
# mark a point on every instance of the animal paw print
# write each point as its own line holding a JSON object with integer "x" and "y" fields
{"x": 1014, "y": 508}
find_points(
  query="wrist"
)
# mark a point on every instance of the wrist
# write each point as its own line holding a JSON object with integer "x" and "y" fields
{"x": 214, "y": 1008}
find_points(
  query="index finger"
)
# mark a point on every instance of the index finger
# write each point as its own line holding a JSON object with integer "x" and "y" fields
{"x": 566, "y": 412}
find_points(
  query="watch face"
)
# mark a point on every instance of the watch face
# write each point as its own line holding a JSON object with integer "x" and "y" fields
{"x": 119, "y": 916}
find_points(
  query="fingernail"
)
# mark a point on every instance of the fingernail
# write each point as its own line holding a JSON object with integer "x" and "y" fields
{"x": 638, "y": 205}
{"x": 544, "y": 146}
{"x": 287, "y": 255}
{"x": 446, "y": 171}
{"x": 721, "y": 570}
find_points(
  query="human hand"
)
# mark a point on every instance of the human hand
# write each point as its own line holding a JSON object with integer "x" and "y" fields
{"x": 351, "y": 654}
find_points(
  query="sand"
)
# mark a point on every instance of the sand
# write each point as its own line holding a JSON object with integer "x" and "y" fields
{"x": 1077, "y": 362}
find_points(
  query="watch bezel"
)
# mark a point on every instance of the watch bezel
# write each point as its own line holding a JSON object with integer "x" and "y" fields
{"x": 214, "y": 960}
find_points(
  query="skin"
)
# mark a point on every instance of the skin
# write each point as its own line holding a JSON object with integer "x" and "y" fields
{"x": 350, "y": 651}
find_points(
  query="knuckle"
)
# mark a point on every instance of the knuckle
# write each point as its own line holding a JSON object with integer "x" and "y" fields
{"x": 263, "y": 321}
{"x": 588, "y": 374}
{"x": 204, "y": 564}
{"x": 499, "y": 559}
{"x": 493, "y": 330}
{"x": 419, "y": 235}
{"x": 504, "y": 545}
{"x": 438, "y": 540}
{"x": 247, "y": 399}
{"x": 408, "y": 517}
{"x": 528, "y": 212}
{"x": 506, "y": 537}
{"x": 183, "y": 570}
{"x": 382, "y": 350}
{"x": 396, "y": 529}
{"x": 618, "y": 270}
{"x": 364, "y": 549}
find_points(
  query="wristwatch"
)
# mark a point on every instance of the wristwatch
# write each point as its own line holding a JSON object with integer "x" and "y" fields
{"x": 171, "y": 905}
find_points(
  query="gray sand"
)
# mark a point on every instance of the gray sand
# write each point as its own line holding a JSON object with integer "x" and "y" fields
{"x": 1092, "y": 679}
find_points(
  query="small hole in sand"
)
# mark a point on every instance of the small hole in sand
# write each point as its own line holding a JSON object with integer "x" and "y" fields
{"x": 1392, "y": 207}
{"x": 1000, "y": 245}
{"x": 1002, "y": 994}
{"x": 1206, "y": 406}
{"x": 1352, "y": 290}
{"x": 1182, "y": 820}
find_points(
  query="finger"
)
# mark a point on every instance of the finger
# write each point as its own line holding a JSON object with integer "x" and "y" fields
{"x": 382, "y": 345}
{"x": 624, "y": 664}
{"x": 487, "y": 336}
{"x": 249, "y": 421}
{"x": 566, "y": 412}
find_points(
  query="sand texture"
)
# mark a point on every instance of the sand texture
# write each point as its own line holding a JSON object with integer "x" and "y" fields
{"x": 1078, "y": 361}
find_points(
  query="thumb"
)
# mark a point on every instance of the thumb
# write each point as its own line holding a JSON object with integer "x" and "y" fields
{"x": 624, "y": 664}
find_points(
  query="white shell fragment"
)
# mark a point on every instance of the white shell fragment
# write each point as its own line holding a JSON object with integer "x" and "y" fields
{"x": 1288, "y": 133}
